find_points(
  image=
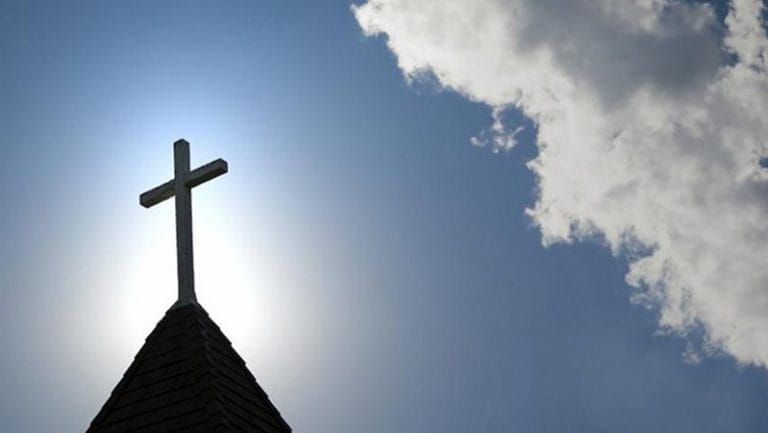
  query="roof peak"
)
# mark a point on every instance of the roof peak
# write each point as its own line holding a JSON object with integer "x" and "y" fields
{"x": 187, "y": 377}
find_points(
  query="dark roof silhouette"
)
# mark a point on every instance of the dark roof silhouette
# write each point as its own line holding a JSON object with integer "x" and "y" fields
{"x": 188, "y": 378}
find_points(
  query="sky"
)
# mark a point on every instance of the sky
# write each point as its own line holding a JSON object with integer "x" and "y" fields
{"x": 439, "y": 216}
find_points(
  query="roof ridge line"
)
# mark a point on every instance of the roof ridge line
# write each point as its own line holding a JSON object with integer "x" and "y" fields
{"x": 241, "y": 365}
{"x": 128, "y": 376}
{"x": 213, "y": 380}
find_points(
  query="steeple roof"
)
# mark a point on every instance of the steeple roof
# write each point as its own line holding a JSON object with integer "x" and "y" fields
{"x": 188, "y": 378}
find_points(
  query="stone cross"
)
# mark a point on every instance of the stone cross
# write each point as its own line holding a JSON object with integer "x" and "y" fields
{"x": 181, "y": 187}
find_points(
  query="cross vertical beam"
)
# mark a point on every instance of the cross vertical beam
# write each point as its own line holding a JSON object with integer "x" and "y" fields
{"x": 181, "y": 187}
{"x": 184, "y": 256}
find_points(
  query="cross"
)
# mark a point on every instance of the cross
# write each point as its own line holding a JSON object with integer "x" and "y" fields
{"x": 181, "y": 187}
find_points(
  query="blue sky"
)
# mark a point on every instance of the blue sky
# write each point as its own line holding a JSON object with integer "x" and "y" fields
{"x": 376, "y": 271}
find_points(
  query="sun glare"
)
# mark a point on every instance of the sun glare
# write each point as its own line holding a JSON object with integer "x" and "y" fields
{"x": 230, "y": 283}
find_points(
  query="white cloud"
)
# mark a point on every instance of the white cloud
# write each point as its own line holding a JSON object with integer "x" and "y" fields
{"x": 652, "y": 119}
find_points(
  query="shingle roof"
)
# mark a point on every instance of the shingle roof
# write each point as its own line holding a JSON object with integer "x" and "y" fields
{"x": 188, "y": 378}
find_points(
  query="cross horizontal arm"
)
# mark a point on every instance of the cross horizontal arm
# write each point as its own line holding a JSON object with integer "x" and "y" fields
{"x": 156, "y": 195}
{"x": 206, "y": 172}
{"x": 193, "y": 178}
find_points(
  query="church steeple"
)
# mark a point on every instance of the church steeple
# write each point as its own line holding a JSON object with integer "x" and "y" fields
{"x": 187, "y": 377}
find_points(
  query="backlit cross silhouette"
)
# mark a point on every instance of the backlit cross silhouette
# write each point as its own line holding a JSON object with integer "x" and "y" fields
{"x": 181, "y": 187}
